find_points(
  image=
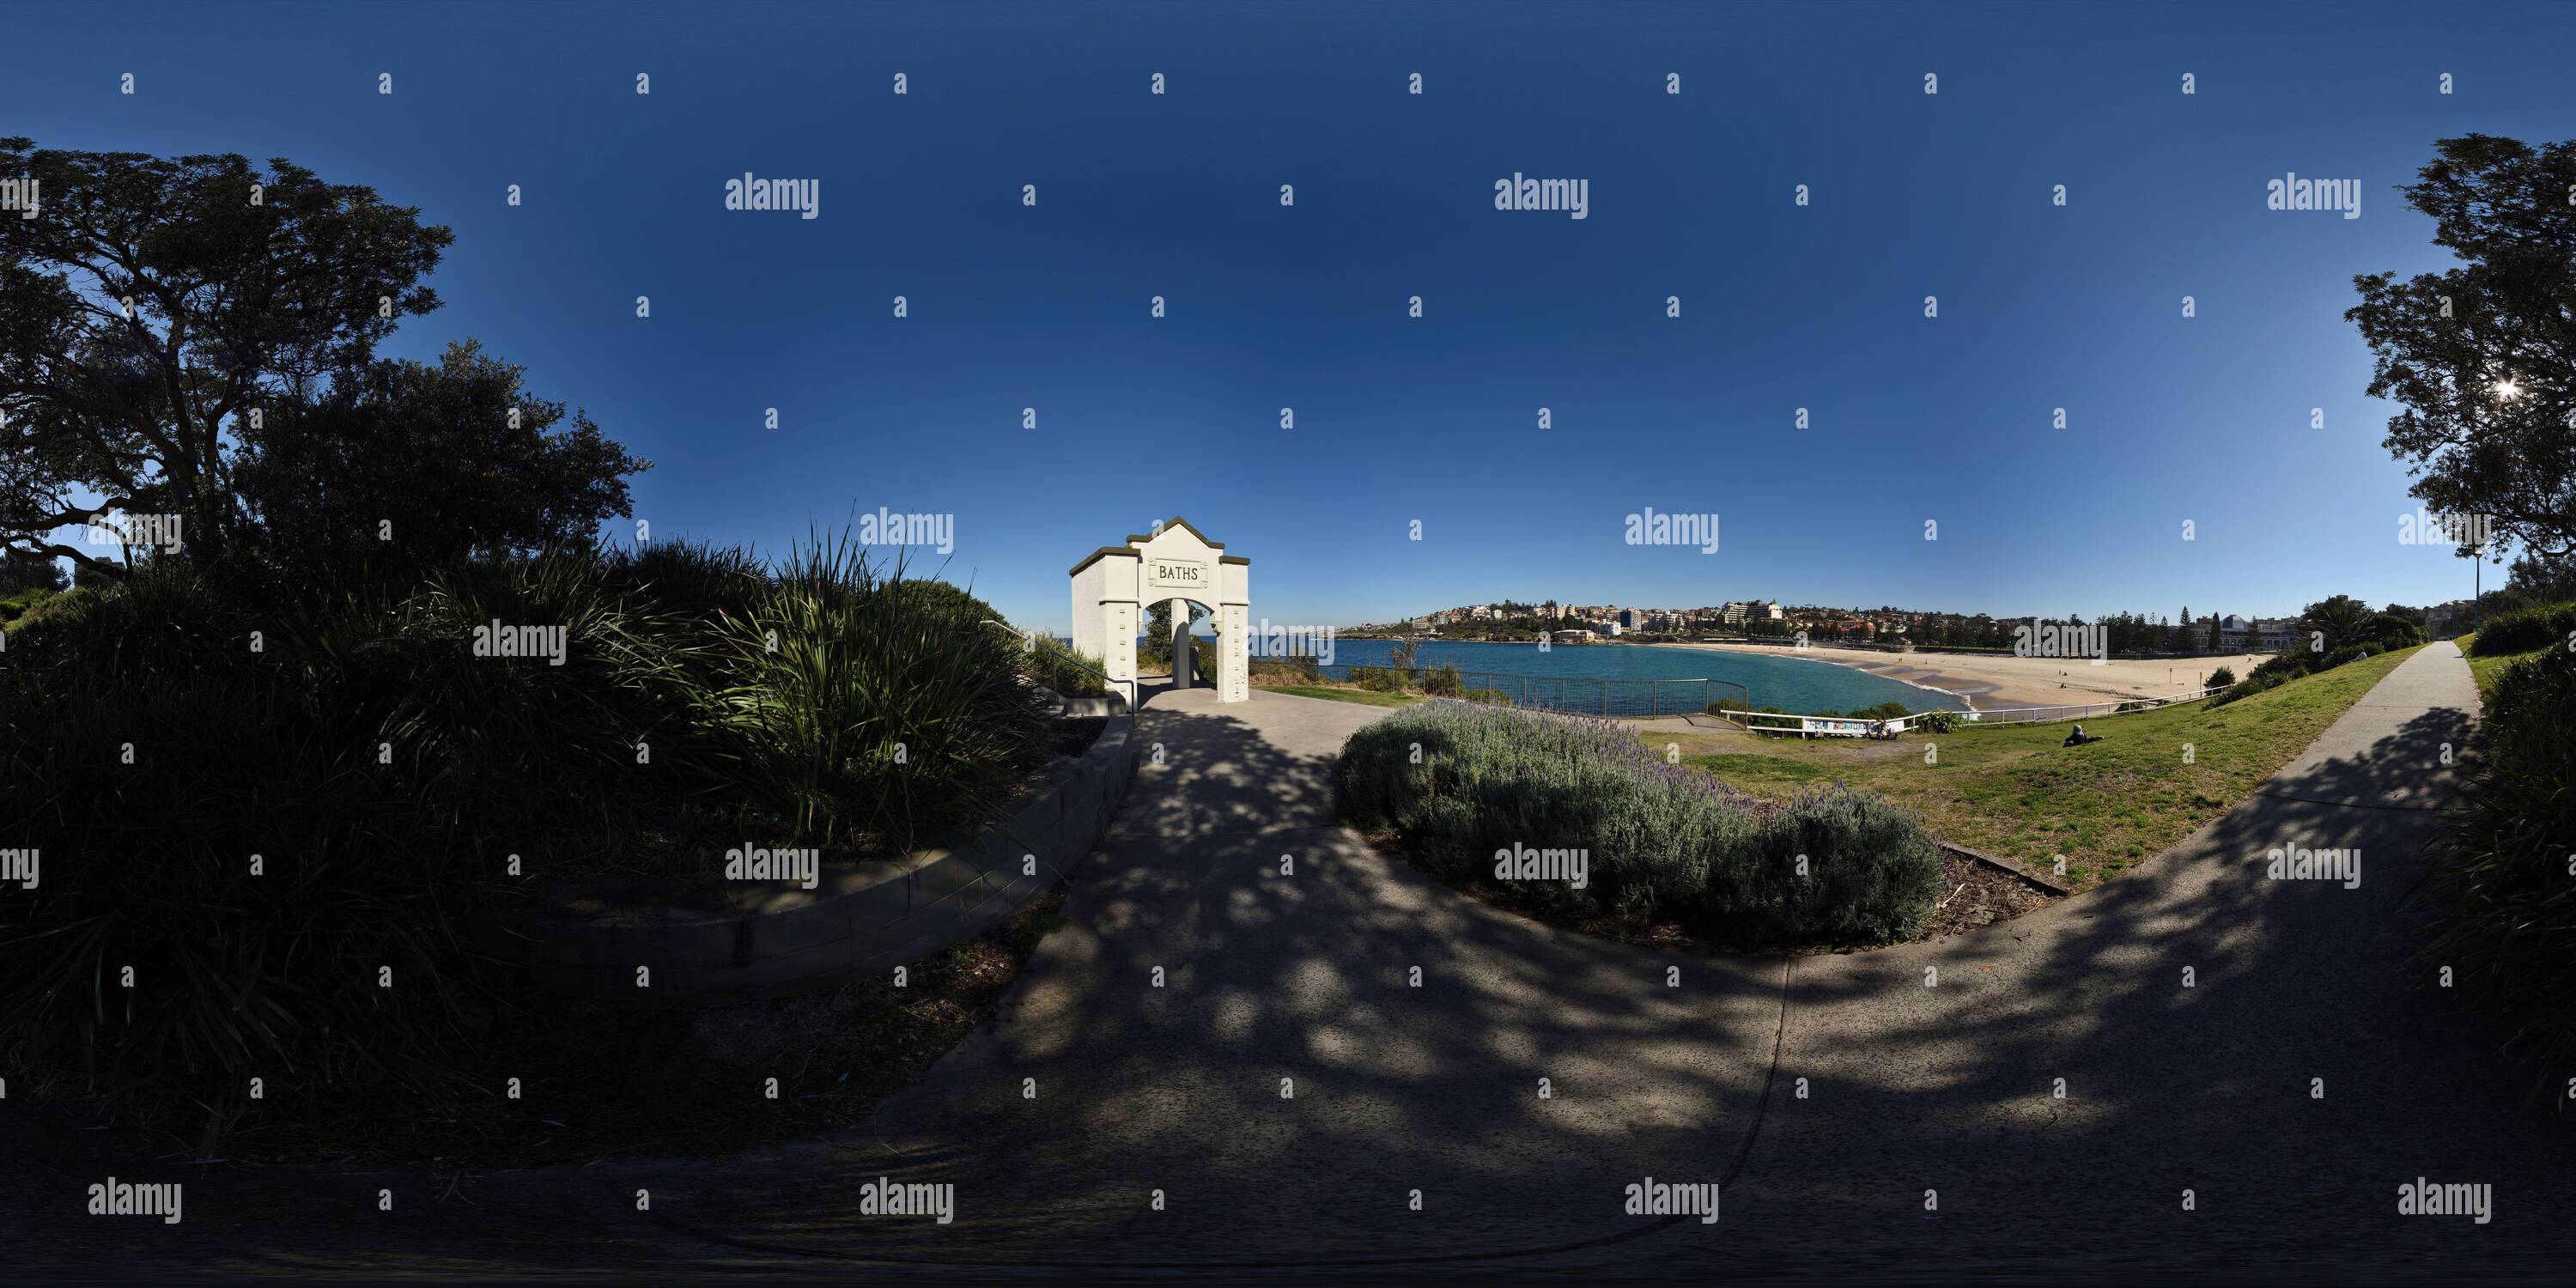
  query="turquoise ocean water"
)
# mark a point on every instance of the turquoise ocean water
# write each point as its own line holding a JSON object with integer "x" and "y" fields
{"x": 1789, "y": 683}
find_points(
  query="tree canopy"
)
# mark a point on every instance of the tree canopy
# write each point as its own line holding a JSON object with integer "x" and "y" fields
{"x": 2482, "y": 357}
{"x": 156, "y": 304}
{"x": 195, "y": 338}
{"x": 18, "y": 573}
{"x": 403, "y": 466}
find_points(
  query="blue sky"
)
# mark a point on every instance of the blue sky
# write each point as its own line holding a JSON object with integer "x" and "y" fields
{"x": 1435, "y": 419}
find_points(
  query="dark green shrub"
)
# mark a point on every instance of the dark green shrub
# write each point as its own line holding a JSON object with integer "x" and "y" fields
{"x": 20, "y": 573}
{"x": 2525, "y": 629}
{"x": 2288, "y": 666}
{"x": 1490, "y": 697}
{"x": 1939, "y": 721}
{"x": 2269, "y": 673}
{"x": 1442, "y": 681}
{"x": 1293, "y": 668}
{"x": 1871, "y": 872}
{"x": 2222, "y": 677}
{"x": 1058, "y": 667}
{"x": 385, "y": 774}
{"x": 2502, "y": 906}
{"x": 1378, "y": 679}
{"x": 24, "y": 604}
{"x": 150, "y": 865}
{"x": 2255, "y": 682}
{"x": 2389, "y": 632}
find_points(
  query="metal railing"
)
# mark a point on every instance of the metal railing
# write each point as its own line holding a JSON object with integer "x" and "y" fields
{"x": 1030, "y": 638}
{"x": 2119, "y": 706}
{"x": 1856, "y": 727}
{"x": 1819, "y": 726}
{"x": 1574, "y": 695}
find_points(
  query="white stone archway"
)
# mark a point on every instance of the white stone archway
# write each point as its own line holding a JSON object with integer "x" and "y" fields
{"x": 1113, "y": 586}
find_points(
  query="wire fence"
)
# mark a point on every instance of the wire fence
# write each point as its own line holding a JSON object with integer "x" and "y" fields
{"x": 1628, "y": 699}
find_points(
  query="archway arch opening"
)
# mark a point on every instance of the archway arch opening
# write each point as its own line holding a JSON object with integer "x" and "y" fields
{"x": 1114, "y": 588}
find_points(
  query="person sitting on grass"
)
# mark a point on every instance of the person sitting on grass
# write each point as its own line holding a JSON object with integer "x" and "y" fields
{"x": 2079, "y": 738}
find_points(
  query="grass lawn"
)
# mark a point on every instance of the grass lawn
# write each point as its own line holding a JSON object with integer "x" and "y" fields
{"x": 2014, "y": 791}
{"x": 2488, "y": 670}
{"x": 1365, "y": 697}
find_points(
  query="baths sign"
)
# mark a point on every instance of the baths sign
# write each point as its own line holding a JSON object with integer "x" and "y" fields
{"x": 1177, "y": 576}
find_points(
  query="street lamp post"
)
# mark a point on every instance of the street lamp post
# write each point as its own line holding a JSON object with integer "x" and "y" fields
{"x": 2477, "y": 590}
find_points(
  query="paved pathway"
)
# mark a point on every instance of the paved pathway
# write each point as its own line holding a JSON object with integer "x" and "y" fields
{"x": 1397, "y": 1087}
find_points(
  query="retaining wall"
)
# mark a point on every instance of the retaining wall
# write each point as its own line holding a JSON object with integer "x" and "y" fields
{"x": 872, "y": 918}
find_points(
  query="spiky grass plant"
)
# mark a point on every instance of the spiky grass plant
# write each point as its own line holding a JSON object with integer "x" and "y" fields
{"x": 270, "y": 833}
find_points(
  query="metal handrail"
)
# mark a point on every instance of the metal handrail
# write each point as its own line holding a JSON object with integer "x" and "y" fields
{"x": 1998, "y": 718}
{"x": 1107, "y": 681}
{"x": 2086, "y": 710}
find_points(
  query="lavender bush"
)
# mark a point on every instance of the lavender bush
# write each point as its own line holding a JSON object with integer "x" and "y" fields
{"x": 1458, "y": 781}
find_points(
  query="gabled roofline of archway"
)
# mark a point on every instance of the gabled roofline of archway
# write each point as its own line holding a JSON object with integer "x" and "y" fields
{"x": 1098, "y": 555}
{"x": 1176, "y": 521}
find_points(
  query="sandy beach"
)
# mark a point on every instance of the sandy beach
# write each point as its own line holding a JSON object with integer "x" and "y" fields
{"x": 1994, "y": 681}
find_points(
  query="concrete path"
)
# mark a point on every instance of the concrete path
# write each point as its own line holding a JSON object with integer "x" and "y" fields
{"x": 1289, "y": 1086}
